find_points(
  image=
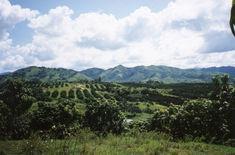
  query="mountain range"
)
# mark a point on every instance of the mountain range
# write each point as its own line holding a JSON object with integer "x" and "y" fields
{"x": 122, "y": 74}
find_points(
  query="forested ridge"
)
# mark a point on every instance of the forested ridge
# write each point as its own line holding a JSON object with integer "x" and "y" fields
{"x": 122, "y": 74}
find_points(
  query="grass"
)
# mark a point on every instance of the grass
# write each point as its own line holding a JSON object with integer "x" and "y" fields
{"x": 141, "y": 117}
{"x": 136, "y": 144}
{"x": 152, "y": 106}
{"x": 144, "y": 116}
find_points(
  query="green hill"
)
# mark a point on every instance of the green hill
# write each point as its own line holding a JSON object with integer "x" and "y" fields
{"x": 158, "y": 73}
{"x": 46, "y": 74}
{"x": 122, "y": 74}
{"x": 93, "y": 73}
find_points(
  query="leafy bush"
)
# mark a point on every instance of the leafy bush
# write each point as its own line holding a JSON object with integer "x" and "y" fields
{"x": 63, "y": 94}
{"x": 79, "y": 94}
{"x": 16, "y": 100}
{"x": 48, "y": 93}
{"x": 5, "y": 115}
{"x": 71, "y": 93}
{"x": 56, "y": 118}
{"x": 212, "y": 119}
{"x": 55, "y": 94}
{"x": 196, "y": 118}
{"x": 39, "y": 94}
{"x": 21, "y": 128}
{"x": 104, "y": 118}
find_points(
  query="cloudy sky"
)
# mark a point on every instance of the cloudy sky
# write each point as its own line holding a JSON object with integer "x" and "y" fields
{"x": 102, "y": 33}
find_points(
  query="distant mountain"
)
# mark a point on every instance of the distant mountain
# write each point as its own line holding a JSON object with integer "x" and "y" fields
{"x": 158, "y": 73}
{"x": 93, "y": 73}
{"x": 5, "y": 73}
{"x": 47, "y": 74}
{"x": 228, "y": 70}
{"x": 123, "y": 74}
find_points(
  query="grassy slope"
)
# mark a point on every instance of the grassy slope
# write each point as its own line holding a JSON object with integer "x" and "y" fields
{"x": 87, "y": 143}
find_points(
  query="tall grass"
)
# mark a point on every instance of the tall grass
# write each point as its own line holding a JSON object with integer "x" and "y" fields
{"x": 134, "y": 143}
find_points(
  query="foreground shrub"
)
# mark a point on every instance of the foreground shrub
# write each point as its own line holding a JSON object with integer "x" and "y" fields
{"x": 104, "y": 118}
{"x": 16, "y": 99}
{"x": 196, "y": 118}
{"x": 5, "y": 114}
{"x": 212, "y": 119}
{"x": 57, "y": 119}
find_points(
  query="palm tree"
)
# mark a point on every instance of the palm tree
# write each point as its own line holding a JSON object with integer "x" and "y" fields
{"x": 232, "y": 19}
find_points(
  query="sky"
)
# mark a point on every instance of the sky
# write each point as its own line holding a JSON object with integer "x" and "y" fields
{"x": 80, "y": 34}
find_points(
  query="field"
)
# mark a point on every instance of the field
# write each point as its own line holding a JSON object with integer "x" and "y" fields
{"x": 134, "y": 143}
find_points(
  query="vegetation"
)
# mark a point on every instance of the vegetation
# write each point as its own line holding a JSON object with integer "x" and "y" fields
{"x": 128, "y": 118}
{"x": 16, "y": 99}
{"x": 134, "y": 143}
{"x": 64, "y": 116}
{"x": 63, "y": 94}
{"x": 120, "y": 74}
{"x": 104, "y": 118}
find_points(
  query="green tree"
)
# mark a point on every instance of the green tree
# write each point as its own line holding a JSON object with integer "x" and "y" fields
{"x": 48, "y": 94}
{"x": 39, "y": 94}
{"x": 55, "y": 118}
{"x": 16, "y": 96}
{"x": 71, "y": 93}
{"x": 212, "y": 119}
{"x": 222, "y": 90}
{"x": 5, "y": 115}
{"x": 55, "y": 94}
{"x": 225, "y": 94}
{"x": 79, "y": 94}
{"x": 104, "y": 118}
{"x": 63, "y": 94}
{"x": 16, "y": 100}
{"x": 196, "y": 118}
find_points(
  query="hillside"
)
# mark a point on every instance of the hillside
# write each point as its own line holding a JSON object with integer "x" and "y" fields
{"x": 158, "y": 73}
{"x": 228, "y": 69}
{"x": 123, "y": 74}
{"x": 46, "y": 74}
{"x": 93, "y": 73}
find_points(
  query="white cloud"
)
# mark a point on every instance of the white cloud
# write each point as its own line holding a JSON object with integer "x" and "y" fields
{"x": 185, "y": 34}
{"x": 11, "y": 15}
